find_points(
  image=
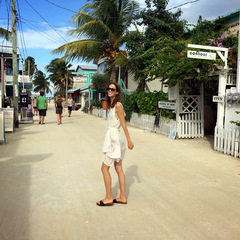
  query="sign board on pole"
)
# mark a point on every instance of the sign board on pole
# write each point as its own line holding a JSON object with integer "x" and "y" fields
{"x": 201, "y": 55}
{"x": 167, "y": 105}
{"x": 2, "y": 129}
{"x": 82, "y": 79}
{"x": 9, "y": 119}
{"x": 218, "y": 99}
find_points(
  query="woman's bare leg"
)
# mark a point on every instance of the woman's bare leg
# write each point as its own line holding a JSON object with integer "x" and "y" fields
{"x": 122, "y": 181}
{"x": 108, "y": 183}
{"x": 58, "y": 118}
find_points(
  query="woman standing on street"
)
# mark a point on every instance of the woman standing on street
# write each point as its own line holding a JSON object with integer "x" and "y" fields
{"x": 70, "y": 103}
{"x": 59, "y": 108}
{"x": 114, "y": 147}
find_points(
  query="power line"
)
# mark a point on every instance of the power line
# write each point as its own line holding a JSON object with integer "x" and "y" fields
{"x": 42, "y": 33}
{"x": 60, "y": 6}
{"x": 182, "y": 4}
{"x": 21, "y": 32}
{"x": 45, "y": 21}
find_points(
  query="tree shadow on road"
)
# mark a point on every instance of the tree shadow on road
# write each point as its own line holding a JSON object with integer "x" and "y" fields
{"x": 131, "y": 175}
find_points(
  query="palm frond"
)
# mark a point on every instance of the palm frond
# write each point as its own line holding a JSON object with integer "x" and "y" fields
{"x": 86, "y": 50}
{"x": 94, "y": 30}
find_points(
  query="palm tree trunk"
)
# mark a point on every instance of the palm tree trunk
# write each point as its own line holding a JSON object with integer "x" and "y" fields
{"x": 114, "y": 77}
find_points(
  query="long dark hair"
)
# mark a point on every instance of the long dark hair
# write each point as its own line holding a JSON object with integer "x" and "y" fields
{"x": 118, "y": 97}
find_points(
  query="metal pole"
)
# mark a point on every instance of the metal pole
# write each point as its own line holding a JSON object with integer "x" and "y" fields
{"x": 15, "y": 67}
{"x": 66, "y": 86}
{"x": 2, "y": 83}
{"x": 238, "y": 58}
{"x": 23, "y": 76}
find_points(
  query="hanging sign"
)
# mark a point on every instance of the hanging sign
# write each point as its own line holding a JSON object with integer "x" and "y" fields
{"x": 2, "y": 127}
{"x": 201, "y": 55}
{"x": 167, "y": 105}
{"x": 219, "y": 99}
{"x": 82, "y": 79}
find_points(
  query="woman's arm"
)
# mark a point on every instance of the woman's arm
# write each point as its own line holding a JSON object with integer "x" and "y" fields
{"x": 120, "y": 114}
{"x": 62, "y": 105}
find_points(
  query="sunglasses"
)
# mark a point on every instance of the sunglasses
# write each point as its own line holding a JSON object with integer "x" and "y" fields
{"x": 112, "y": 89}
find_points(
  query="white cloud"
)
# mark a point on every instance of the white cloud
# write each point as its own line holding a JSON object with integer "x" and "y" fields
{"x": 48, "y": 39}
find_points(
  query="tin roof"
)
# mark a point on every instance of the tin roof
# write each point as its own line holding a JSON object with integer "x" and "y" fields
{"x": 7, "y": 49}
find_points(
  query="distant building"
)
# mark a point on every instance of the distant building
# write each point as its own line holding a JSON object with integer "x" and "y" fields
{"x": 82, "y": 91}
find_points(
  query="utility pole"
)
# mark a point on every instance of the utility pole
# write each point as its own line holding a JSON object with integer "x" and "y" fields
{"x": 15, "y": 67}
{"x": 2, "y": 83}
{"x": 66, "y": 86}
{"x": 29, "y": 68}
{"x": 238, "y": 58}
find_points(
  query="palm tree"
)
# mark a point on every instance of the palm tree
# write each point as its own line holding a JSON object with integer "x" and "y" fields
{"x": 30, "y": 60}
{"x": 102, "y": 25}
{"x": 60, "y": 74}
{"x": 4, "y": 33}
{"x": 41, "y": 83}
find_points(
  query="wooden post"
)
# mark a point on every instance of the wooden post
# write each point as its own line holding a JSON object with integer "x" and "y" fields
{"x": 221, "y": 92}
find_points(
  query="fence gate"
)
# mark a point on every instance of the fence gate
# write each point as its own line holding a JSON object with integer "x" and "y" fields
{"x": 190, "y": 117}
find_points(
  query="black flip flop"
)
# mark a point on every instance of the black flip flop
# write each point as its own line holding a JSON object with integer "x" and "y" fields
{"x": 119, "y": 202}
{"x": 102, "y": 204}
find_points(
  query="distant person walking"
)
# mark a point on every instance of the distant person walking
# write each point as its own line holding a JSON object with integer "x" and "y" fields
{"x": 114, "y": 147}
{"x": 34, "y": 103}
{"x": 59, "y": 108}
{"x": 70, "y": 103}
{"x": 42, "y": 106}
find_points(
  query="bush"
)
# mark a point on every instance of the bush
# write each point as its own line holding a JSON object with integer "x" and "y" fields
{"x": 97, "y": 104}
{"x": 146, "y": 103}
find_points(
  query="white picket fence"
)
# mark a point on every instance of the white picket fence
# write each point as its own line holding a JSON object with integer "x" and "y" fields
{"x": 191, "y": 125}
{"x": 227, "y": 141}
{"x": 144, "y": 121}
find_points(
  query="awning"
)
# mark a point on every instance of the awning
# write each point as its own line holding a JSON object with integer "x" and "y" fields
{"x": 73, "y": 90}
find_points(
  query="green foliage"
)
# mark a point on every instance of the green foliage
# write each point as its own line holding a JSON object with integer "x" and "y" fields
{"x": 60, "y": 74}
{"x": 158, "y": 22}
{"x": 100, "y": 80}
{"x": 97, "y": 104}
{"x": 100, "y": 26}
{"x": 31, "y": 62}
{"x": 40, "y": 82}
{"x": 169, "y": 57}
{"x": 237, "y": 123}
{"x": 145, "y": 103}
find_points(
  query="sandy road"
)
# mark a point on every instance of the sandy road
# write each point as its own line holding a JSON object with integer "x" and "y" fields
{"x": 50, "y": 181}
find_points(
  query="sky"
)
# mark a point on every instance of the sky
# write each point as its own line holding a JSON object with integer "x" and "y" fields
{"x": 44, "y": 24}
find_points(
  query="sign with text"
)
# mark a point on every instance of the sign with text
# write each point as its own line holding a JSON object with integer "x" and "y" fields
{"x": 2, "y": 130}
{"x": 167, "y": 105}
{"x": 80, "y": 79}
{"x": 24, "y": 78}
{"x": 201, "y": 55}
{"x": 8, "y": 115}
{"x": 218, "y": 99}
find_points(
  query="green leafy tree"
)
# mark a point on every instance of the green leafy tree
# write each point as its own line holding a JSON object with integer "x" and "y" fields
{"x": 169, "y": 56}
{"x": 99, "y": 80}
{"x": 158, "y": 22}
{"x": 100, "y": 25}
{"x": 60, "y": 74}
{"x": 41, "y": 82}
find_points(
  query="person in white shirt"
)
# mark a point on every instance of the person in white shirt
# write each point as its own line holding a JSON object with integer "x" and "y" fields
{"x": 70, "y": 103}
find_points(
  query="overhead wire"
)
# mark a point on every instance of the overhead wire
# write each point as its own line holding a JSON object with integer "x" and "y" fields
{"x": 60, "y": 6}
{"x": 40, "y": 33}
{"x": 182, "y": 4}
{"x": 46, "y": 21}
{"x": 21, "y": 33}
